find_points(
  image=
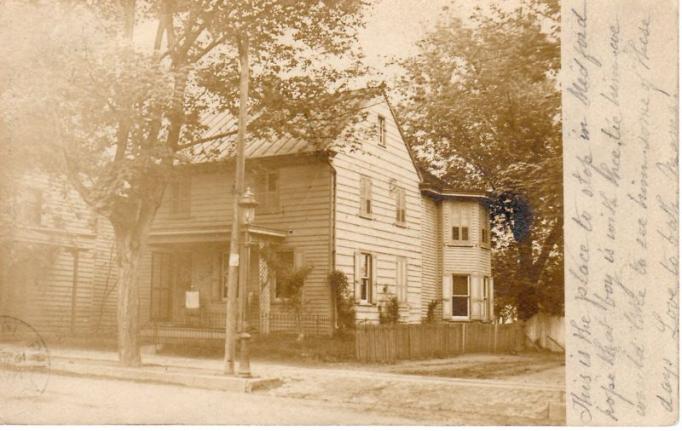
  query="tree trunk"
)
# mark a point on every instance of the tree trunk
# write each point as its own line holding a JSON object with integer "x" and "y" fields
{"x": 129, "y": 253}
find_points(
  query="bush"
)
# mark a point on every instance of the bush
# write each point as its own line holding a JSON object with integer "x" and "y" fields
{"x": 390, "y": 312}
{"x": 431, "y": 311}
{"x": 343, "y": 301}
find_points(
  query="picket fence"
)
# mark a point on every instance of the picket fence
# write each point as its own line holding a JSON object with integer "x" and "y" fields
{"x": 390, "y": 343}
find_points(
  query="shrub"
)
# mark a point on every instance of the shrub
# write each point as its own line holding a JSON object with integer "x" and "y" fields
{"x": 343, "y": 301}
{"x": 431, "y": 311}
{"x": 390, "y": 312}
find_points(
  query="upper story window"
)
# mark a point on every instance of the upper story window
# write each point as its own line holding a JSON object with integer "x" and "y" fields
{"x": 31, "y": 207}
{"x": 365, "y": 197}
{"x": 381, "y": 122}
{"x": 181, "y": 197}
{"x": 267, "y": 191}
{"x": 485, "y": 227}
{"x": 400, "y": 206}
{"x": 459, "y": 223}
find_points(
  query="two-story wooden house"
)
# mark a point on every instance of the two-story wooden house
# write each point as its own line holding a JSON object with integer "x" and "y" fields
{"x": 368, "y": 213}
{"x": 56, "y": 271}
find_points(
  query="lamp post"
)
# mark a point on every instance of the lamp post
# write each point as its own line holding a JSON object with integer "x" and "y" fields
{"x": 247, "y": 204}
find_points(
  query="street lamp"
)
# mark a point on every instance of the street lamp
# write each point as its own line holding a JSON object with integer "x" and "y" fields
{"x": 247, "y": 205}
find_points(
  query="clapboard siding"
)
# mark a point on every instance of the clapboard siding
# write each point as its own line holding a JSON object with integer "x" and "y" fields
{"x": 472, "y": 259}
{"x": 380, "y": 235}
{"x": 431, "y": 244}
{"x": 303, "y": 214}
{"x": 53, "y": 294}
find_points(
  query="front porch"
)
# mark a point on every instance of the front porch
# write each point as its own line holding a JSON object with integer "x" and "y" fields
{"x": 184, "y": 293}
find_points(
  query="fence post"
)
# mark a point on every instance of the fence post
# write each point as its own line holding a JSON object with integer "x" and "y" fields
{"x": 464, "y": 337}
{"x": 495, "y": 337}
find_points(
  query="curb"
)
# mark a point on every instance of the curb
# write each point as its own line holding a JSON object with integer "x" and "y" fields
{"x": 158, "y": 375}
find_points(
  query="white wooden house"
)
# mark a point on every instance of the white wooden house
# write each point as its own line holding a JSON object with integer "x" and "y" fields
{"x": 56, "y": 271}
{"x": 368, "y": 213}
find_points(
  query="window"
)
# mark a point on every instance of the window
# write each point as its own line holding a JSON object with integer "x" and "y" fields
{"x": 365, "y": 196}
{"x": 460, "y": 295}
{"x": 180, "y": 197}
{"x": 286, "y": 261}
{"x": 267, "y": 191}
{"x": 365, "y": 277}
{"x": 485, "y": 313}
{"x": 401, "y": 279}
{"x": 382, "y": 130}
{"x": 459, "y": 222}
{"x": 31, "y": 207}
{"x": 400, "y": 207}
{"x": 485, "y": 227}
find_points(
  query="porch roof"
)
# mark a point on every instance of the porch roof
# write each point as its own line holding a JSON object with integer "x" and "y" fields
{"x": 217, "y": 233}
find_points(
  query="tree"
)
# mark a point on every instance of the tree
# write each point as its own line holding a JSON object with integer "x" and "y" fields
{"x": 116, "y": 118}
{"x": 481, "y": 106}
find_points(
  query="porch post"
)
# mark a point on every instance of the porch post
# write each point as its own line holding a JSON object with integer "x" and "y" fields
{"x": 264, "y": 296}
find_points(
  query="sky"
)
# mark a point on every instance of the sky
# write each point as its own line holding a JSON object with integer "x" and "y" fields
{"x": 394, "y": 27}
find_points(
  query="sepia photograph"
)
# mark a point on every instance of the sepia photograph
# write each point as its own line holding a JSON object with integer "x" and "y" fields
{"x": 292, "y": 212}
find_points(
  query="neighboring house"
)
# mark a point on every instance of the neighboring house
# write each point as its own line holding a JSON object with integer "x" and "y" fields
{"x": 54, "y": 257}
{"x": 367, "y": 212}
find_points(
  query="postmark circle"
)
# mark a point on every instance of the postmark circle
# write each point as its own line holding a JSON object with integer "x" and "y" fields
{"x": 24, "y": 359}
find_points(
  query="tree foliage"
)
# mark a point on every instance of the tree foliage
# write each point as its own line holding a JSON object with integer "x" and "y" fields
{"x": 481, "y": 105}
{"x": 91, "y": 99}
{"x": 343, "y": 301}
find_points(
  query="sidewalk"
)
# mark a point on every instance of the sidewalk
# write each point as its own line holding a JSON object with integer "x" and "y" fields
{"x": 424, "y": 397}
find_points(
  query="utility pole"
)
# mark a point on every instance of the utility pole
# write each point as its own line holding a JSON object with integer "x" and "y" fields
{"x": 237, "y": 190}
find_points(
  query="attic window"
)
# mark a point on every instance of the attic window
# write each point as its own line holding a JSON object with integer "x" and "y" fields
{"x": 382, "y": 130}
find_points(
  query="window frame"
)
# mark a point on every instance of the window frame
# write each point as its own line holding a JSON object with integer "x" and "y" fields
{"x": 453, "y": 296}
{"x": 381, "y": 124}
{"x": 366, "y": 206}
{"x": 268, "y": 200}
{"x": 484, "y": 222}
{"x": 462, "y": 224}
{"x": 277, "y": 298}
{"x": 366, "y": 276}
{"x": 401, "y": 207}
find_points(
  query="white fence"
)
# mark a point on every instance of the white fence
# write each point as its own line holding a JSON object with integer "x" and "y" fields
{"x": 546, "y": 331}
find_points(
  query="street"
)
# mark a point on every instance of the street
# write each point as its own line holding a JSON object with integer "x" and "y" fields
{"x": 86, "y": 401}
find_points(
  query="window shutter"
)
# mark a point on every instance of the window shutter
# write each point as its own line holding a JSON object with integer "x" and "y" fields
{"x": 491, "y": 300}
{"x": 373, "y": 291}
{"x": 447, "y": 297}
{"x": 475, "y": 297}
{"x": 363, "y": 187}
{"x": 370, "y": 209}
{"x": 356, "y": 275}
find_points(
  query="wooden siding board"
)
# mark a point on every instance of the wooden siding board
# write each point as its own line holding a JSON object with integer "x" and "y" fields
{"x": 379, "y": 235}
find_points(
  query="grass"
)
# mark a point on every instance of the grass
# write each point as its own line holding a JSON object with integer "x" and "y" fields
{"x": 277, "y": 347}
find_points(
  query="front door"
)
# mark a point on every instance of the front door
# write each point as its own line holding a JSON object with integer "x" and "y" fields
{"x": 171, "y": 277}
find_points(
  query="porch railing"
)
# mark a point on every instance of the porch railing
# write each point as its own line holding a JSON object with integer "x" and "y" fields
{"x": 211, "y": 325}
